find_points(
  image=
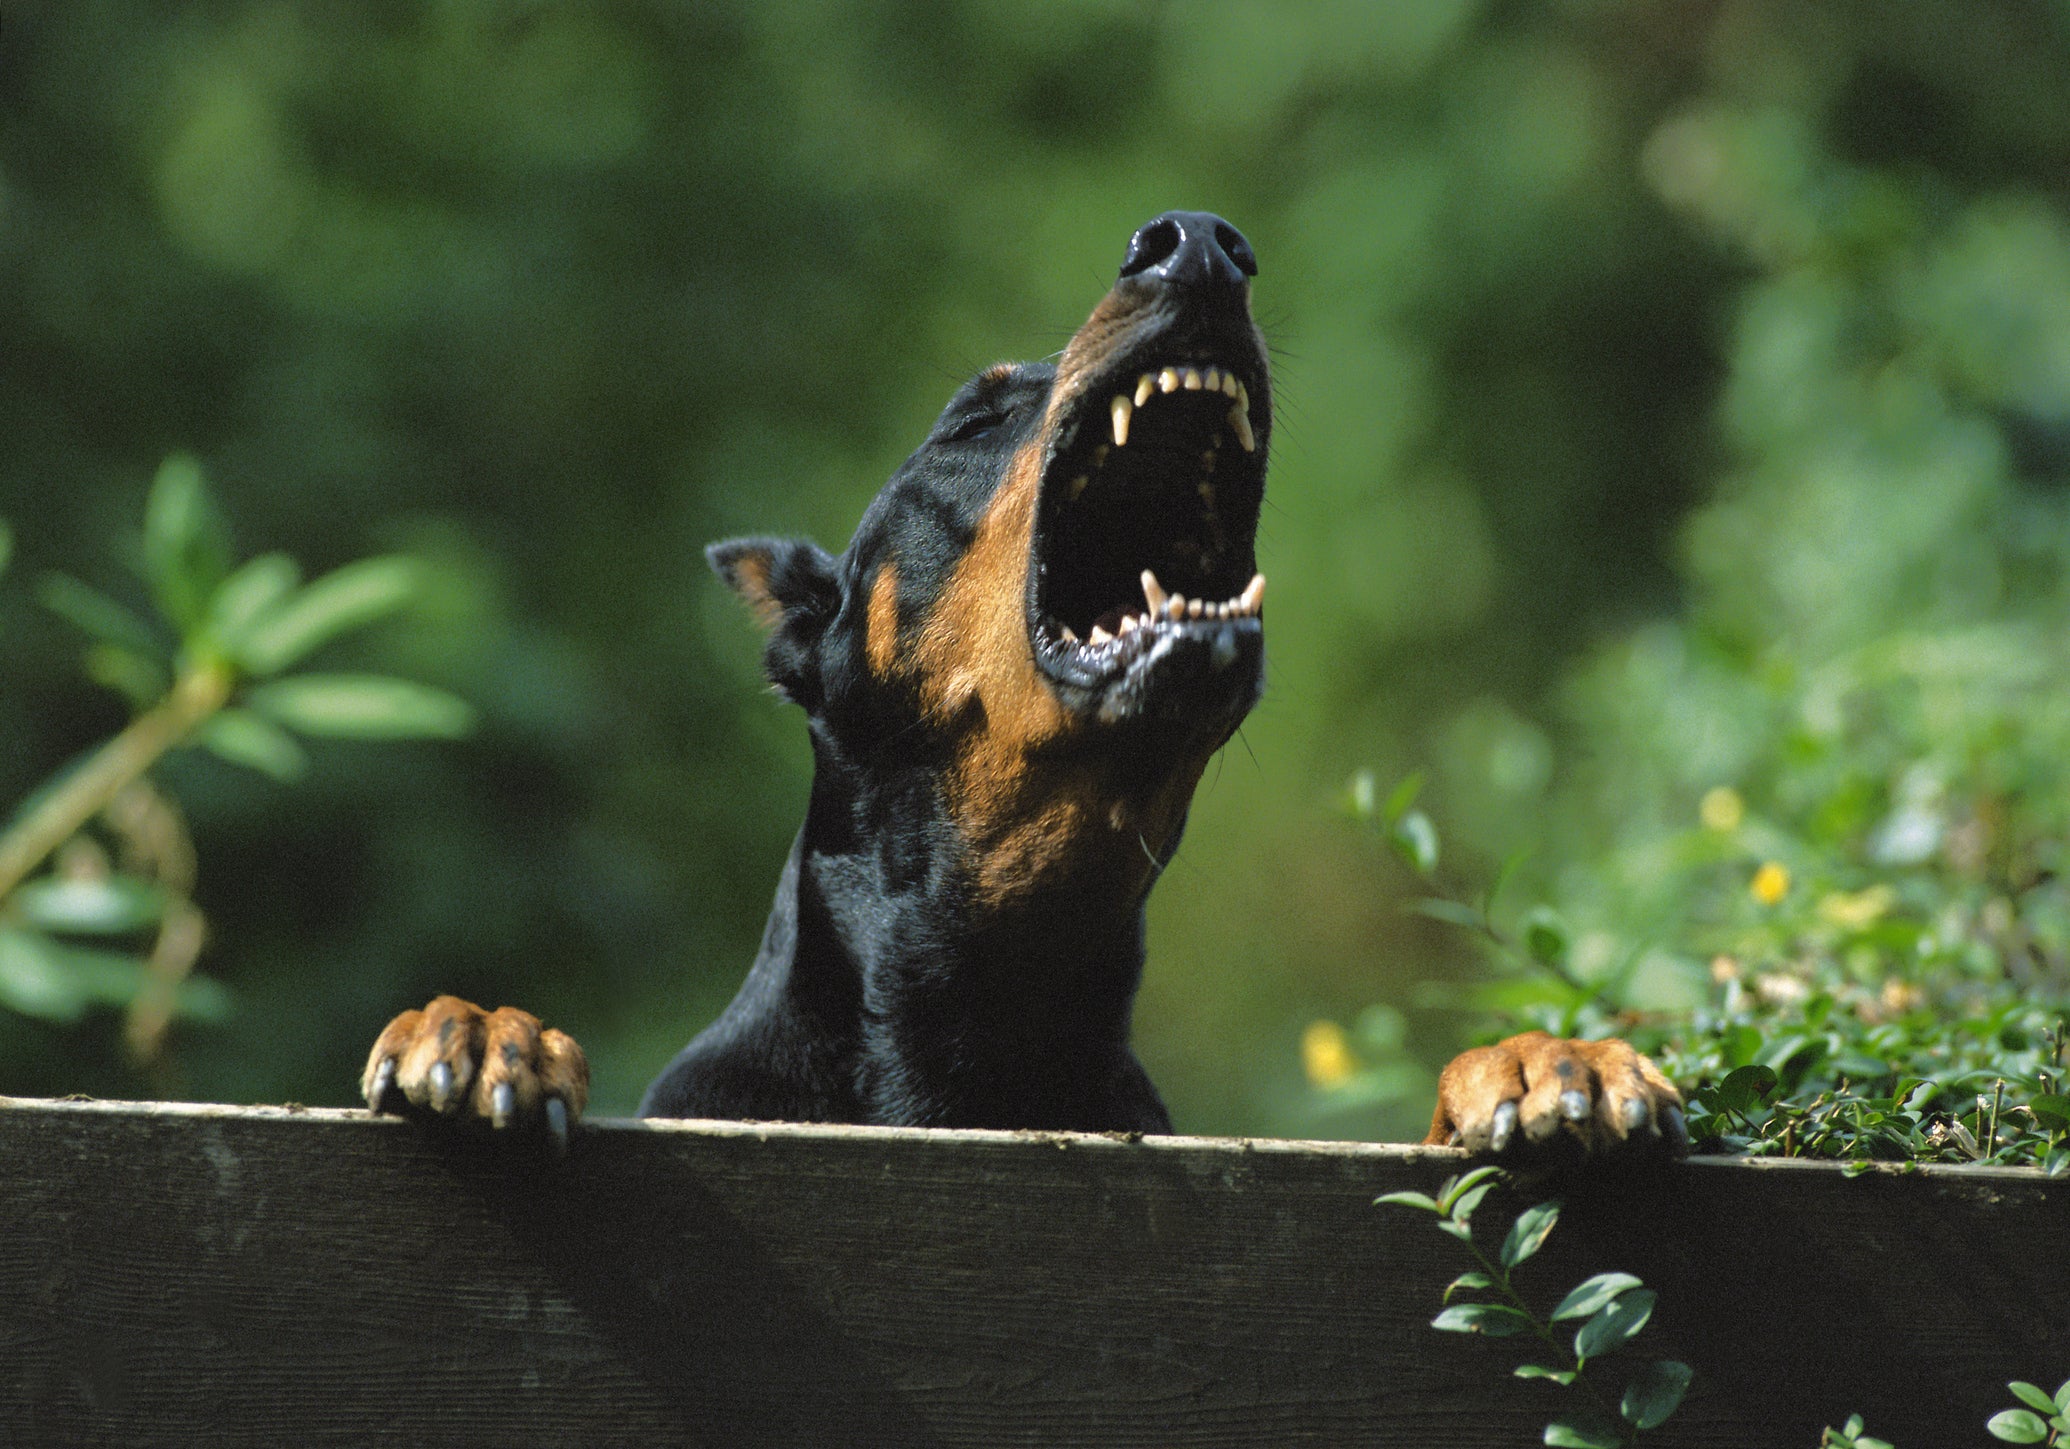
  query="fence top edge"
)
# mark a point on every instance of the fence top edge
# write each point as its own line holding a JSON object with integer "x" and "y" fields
{"x": 944, "y": 1138}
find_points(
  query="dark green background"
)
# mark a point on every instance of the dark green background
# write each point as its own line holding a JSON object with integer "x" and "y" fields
{"x": 554, "y": 294}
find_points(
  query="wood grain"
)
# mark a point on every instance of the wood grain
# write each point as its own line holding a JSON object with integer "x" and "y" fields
{"x": 230, "y": 1276}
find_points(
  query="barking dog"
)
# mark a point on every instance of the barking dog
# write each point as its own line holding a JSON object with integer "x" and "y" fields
{"x": 1045, "y": 625}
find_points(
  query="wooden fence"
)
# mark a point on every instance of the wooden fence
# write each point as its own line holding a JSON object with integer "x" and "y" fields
{"x": 270, "y": 1276}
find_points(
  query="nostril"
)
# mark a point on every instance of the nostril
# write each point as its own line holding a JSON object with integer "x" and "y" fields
{"x": 1236, "y": 248}
{"x": 1154, "y": 244}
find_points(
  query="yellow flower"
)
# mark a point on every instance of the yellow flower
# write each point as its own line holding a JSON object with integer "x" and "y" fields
{"x": 1771, "y": 882}
{"x": 1721, "y": 809}
{"x": 1326, "y": 1055}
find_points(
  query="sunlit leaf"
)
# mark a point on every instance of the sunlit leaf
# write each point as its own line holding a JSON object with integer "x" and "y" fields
{"x": 245, "y": 738}
{"x": 34, "y": 982}
{"x": 1540, "y": 1371}
{"x": 107, "y": 907}
{"x": 1408, "y": 1199}
{"x": 1577, "y": 1434}
{"x": 1615, "y": 1324}
{"x": 362, "y": 706}
{"x": 1494, "y": 1320}
{"x": 1592, "y": 1294}
{"x": 2017, "y": 1426}
{"x": 247, "y": 596}
{"x": 1529, "y": 1232}
{"x": 341, "y": 601}
{"x": 1415, "y": 840}
{"x": 186, "y": 550}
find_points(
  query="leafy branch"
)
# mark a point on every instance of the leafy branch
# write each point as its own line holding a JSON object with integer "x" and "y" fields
{"x": 1612, "y": 1309}
{"x": 208, "y": 667}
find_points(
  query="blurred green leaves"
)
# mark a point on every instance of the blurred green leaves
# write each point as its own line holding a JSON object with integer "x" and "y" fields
{"x": 207, "y": 671}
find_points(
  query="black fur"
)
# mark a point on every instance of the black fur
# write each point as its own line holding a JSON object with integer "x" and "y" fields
{"x": 893, "y": 985}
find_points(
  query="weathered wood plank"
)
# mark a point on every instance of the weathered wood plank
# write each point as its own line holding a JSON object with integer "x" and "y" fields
{"x": 228, "y": 1276}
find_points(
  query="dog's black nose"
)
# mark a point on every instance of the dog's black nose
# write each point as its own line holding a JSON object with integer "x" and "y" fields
{"x": 1190, "y": 249}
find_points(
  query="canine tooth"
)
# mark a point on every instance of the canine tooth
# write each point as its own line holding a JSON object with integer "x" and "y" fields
{"x": 1153, "y": 592}
{"x": 1240, "y": 421}
{"x": 1078, "y": 486}
{"x": 1145, "y": 385}
{"x": 1230, "y": 384}
{"x": 1168, "y": 380}
{"x": 1123, "y": 411}
{"x": 1191, "y": 378}
{"x": 1099, "y": 636}
{"x": 1253, "y": 596}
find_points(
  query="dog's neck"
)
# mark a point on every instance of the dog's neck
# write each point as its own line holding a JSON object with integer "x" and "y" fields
{"x": 960, "y": 1003}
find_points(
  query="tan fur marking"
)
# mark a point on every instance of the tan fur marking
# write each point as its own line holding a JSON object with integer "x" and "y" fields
{"x": 880, "y": 635}
{"x": 751, "y": 581}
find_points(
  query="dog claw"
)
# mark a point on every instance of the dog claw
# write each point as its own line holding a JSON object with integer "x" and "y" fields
{"x": 557, "y": 1124}
{"x": 502, "y": 1103}
{"x": 1634, "y": 1114}
{"x": 380, "y": 1083}
{"x": 1674, "y": 1127}
{"x": 1505, "y": 1124}
{"x": 1574, "y": 1105}
{"x": 441, "y": 1086}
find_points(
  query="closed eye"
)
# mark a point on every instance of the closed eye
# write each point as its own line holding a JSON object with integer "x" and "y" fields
{"x": 974, "y": 426}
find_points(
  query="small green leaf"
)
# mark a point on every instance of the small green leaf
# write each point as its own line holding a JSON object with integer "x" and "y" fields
{"x": 1592, "y": 1294}
{"x": 186, "y": 552}
{"x": 1495, "y": 1320}
{"x": 1462, "y": 1231}
{"x": 1415, "y": 840}
{"x": 98, "y": 616}
{"x": 2017, "y": 1426}
{"x": 362, "y": 706}
{"x": 1408, "y": 1199}
{"x": 34, "y": 982}
{"x": 1452, "y": 913}
{"x": 1545, "y": 936}
{"x": 1615, "y": 1324}
{"x": 247, "y": 596}
{"x": 1466, "y": 1202}
{"x": 251, "y": 740}
{"x": 1361, "y": 796}
{"x": 1573, "y": 1434}
{"x": 1457, "y": 1187}
{"x": 1403, "y": 796}
{"x": 1744, "y": 1089}
{"x": 109, "y": 907}
{"x": 1465, "y": 1281}
{"x": 1655, "y": 1393}
{"x": 345, "y": 599}
{"x": 1528, "y": 1233}
{"x": 2033, "y": 1396}
{"x": 2063, "y": 1396}
{"x": 2054, "y": 1108}
{"x": 1540, "y": 1371}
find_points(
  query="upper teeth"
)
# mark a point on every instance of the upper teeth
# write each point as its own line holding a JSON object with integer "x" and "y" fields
{"x": 1192, "y": 379}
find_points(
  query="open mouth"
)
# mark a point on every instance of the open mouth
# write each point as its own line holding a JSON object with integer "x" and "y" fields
{"x": 1147, "y": 522}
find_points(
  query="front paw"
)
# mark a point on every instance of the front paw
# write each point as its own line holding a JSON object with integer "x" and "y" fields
{"x": 455, "y": 1062}
{"x": 1538, "y": 1097}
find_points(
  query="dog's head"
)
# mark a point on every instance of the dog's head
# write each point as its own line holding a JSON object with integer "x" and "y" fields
{"x": 1053, "y": 607}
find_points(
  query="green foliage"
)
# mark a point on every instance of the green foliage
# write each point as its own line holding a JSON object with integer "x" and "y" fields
{"x": 1611, "y": 1309}
{"x": 197, "y": 674}
{"x": 2044, "y": 1420}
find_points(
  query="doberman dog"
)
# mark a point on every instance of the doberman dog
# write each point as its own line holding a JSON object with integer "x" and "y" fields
{"x": 1045, "y": 625}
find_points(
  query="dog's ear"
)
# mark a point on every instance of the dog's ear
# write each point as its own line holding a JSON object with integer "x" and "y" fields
{"x": 794, "y": 587}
